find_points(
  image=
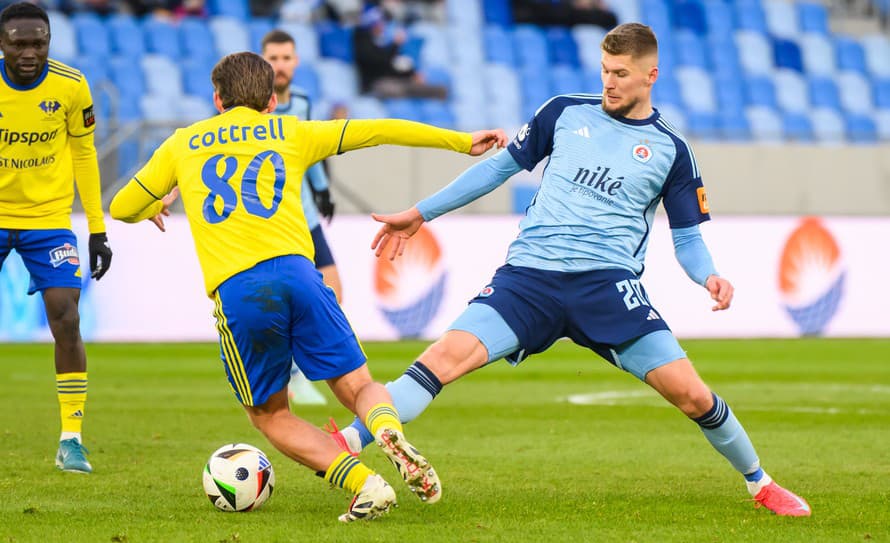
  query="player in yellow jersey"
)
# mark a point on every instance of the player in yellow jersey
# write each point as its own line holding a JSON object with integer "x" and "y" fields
{"x": 240, "y": 175}
{"x": 46, "y": 147}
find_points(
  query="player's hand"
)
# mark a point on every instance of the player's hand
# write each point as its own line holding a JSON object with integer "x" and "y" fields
{"x": 167, "y": 200}
{"x": 721, "y": 292}
{"x": 100, "y": 255}
{"x": 324, "y": 204}
{"x": 483, "y": 140}
{"x": 396, "y": 230}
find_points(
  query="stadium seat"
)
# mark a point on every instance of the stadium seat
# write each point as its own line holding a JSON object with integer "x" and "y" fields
{"x": 465, "y": 14}
{"x": 850, "y": 55}
{"x": 197, "y": 39}
{"x": 791, "y": 91}
{"x": 306, "y": 79}
{"x": 750, "y": 16}
{"x": 161, "y": 37}
{"x": 797, "y": 127}
{"x": 854, "y": 92}
{"x": 734, "y": 126}
{"x": 236, "y": 9}
{"x": 689, "y": 15}
{"x": 196, "y": 76}
{"x": 305, "y": 39}
{"x": 828, "y": 126}
{"x": 781, "y": 19}
{"x": 766, "y": 126}
{"x": 470, "y": 52}
{"x": 730, "y": 98}
{"x": 566, "y": 80}
{"x": 881, "y": 93}
{"x": 877, "y": 54}
{"x": 530, "y": 46}
{"x": 95, "y": 69}
{"x": 665, "y": 91}
{"x": 562, "y": 47}
{"x": 438, "y": 76}
{"x": 366, "y": 107}
{"x": 755, "y": 52}
{"x": 403, "y": 108}
{"x": 818, "y": 55}
{"x": 536, "y": 89}
{"x": 861, "y": 129}
{"x": 723, "y": 57}
{"x": 436, "y": 112}
{"x": 882, "y": 122}
{"x": 158, "y": 108}
{"x": 258, "y": 27}
{"x": 587, "y": 42}
{"x": 162, "y": 77}
{"x": 719, "y": 19}
{"x": 786, "y": 54}
{"x": 339, "y": 82}
{"x": 63, "y": 45}
{"x": 498, "y": 47}
{"x": 759, "y": 91}
{"x": 125, "y": 35}
{"x": 627, "y": 11}
{"x": 674, "y": 116}
{"x": 230, "y": 35}
{"x": 126, "y": 76}
{"x": 335, "y": 42}
{"x": 195, "y": 108}
{"x": 813, "y": 17}
{"x": 497, "y": 12}
{"x": 92, "y": 36}
{"x": 702, "y": 125}
{"x": 697, "y": 90}
{"x": 436, "y": 50}
{"x": 690, "y": 50}
{"x": 656, "y": 14}
{"x": 823, "y": 93}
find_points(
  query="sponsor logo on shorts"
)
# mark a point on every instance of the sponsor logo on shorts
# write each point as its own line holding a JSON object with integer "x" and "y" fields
{"x": 65, "y": 253}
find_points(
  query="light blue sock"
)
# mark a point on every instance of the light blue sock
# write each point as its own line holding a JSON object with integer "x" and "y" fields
{"x": 726, "y": 434}
{"x": 411, "y": 394}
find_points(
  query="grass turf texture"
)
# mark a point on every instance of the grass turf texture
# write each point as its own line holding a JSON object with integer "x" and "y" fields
{"x": 562, "y": 448}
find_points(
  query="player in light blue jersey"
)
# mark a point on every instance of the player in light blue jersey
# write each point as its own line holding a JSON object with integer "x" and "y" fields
{"x": 279, "y": 49}
{"x": 574, "y": 270}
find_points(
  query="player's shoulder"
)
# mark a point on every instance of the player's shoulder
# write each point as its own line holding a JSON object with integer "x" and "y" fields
{"x": 62, "y": 74}
{"x": 669, "y": 131}
{"x": 559, "y": 102}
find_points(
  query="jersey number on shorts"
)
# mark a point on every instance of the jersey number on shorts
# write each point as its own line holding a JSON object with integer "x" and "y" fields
{"x": 634, "y": 296}
{"x": 220, "y": 188}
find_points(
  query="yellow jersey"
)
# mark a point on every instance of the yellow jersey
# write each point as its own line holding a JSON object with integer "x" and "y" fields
{"x": 240, "y": 176}
{"x": 46, "y": 146}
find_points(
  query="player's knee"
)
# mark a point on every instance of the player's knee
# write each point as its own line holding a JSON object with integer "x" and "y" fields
{"x": 695, "y": 401}
{"x": 450, "y": 357}
{"x": 64, "y": 323}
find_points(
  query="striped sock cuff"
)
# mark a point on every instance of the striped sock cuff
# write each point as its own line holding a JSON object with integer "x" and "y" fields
{"x": 339, "y": 469}
{"x": 424, "y": 378}
{"x": 71, "y": 383}
{"x": 716, "y": 416}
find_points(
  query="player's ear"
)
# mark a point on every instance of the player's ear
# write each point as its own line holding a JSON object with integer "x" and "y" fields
{"x": 217, "y": 102}
{"x": 652, "y": 76}
{"x": 273, "y": 103}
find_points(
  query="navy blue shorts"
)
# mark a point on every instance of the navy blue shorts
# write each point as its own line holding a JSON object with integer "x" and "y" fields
{"x": 600, "y": 309}
{"x": 278, "y": 311}
{"x": 50, "y": 256}
{"x": 323, "y": 255}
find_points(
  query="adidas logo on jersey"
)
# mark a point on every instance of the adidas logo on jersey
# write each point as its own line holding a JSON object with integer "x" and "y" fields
{"x": 653, "y": 316}
{"x": 583, "y": 132}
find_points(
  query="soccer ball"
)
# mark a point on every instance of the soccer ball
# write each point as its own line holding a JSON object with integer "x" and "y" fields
{"x": 238, "y": 477}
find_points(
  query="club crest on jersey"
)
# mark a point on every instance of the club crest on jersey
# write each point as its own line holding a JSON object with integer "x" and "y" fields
{"x": 65, "y": 253}
{"x": 486, "y": 292}
{"x": 49, "y": 106}
{"x": 642, "y": 153}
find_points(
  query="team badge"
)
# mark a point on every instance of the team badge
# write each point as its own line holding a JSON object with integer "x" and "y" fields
{"x": 89, "y": 118}
{"x": 642, "y": 153}
{"x": 486, "y": 292}
{"x": 49, "y": 106}
{"x": 65, "y": 253}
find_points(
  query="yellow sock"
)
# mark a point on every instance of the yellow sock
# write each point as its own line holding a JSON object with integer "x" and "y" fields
{"x": 347, "y": 472}
{"x": 72, "y": 390}
{"x": 383, "y": 415}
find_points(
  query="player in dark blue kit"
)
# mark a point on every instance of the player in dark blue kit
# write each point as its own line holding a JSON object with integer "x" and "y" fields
{"x": 574, "y": 270}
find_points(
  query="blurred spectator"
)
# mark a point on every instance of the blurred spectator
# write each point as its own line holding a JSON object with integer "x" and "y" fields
{"x": 100, "y": 7}
{"x": 270, "y": 8}
{"x": 189, "y": 8}
{"x": 383, "y": 70}
{"x": 345, "y": 12}
{"x": 564, "y": 12}
{"x": 339, "y": 110}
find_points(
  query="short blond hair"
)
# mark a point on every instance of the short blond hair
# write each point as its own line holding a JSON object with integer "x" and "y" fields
{"x": 634, "y": 39}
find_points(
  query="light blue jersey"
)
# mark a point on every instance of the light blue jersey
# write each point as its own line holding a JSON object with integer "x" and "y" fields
{"x": 300, "y": 106}
{"x": 599, "y": 191}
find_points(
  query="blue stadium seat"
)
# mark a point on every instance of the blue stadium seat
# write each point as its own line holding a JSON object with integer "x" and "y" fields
{"x": 196, "y": 76}
{"x": 723, "y": 57}
{"x": 339, "y": 82}
{"x": 92, "y": 36}
{"x": 781, "y": 19}
{"x": 828, "y": 126}
{"x": 881, "y": 92}
{"x": 674, "y": 116}
{"x": 697, "y": 89}
{"x": 730, "y": 98}
{"x": 230, "y": 35}
{"x": 63, "y": 45}
{"x": 587, "y": 42}
{"x": 765, "y": 124}
{"x": 562, "y": 47}
{"x": 877, "y": 54}
{"x": 665, "y": 91}
{"x": 95, "y": 69}
{"x": 195, "y": 108}
{"x": 126, "y": 76}
{"x": 818, "y": 55}
{"x": 850, "y": 55}
{"x": 126, "y": 36}
{"x": 466, "y": 15}
{"x": 366, "y": 107}
{"x": 306, "y": 78}
{"x": 161, "y": 37}
{"x": 305, "y": 39}
{"x": 854, "y": 91}
{"x": 823, "y": 93}
{"x": 787, "y": 54}
{"x": 813, "y": 17}
{"x": 230, "y": 8}
{"x": 566, "y": 80}
{"x": 702, "y": 125}
{"x": 719, "y": 19}
{"x": 791, "y": 91}
{"x": 536, "y": 89}
{"x": 470, "y": 52}
{"x": 882, "y": 121}
{"x": 438, "y": 76}
{"x": 197, "y": 40}
{"x": 690, "y": 15}
{"x": 531, "y": 46}
{"x": 734, "y": 126}
{"x": 258, "y": 27}
{"x": 627, "y": 11}
{"x": 436, "y": 50}
{"x": 162, "y": 77}
{"x": 497, "y": 12}
{"x": 403, "y": 108}
{"x": 755, "y": 52}
{"x": 797, "y": 127}
{"x": 436, "y": 112}
{"x": 759, "y": 91}
{"x": 861, "y": 129}
{"x": 500, "y": 86}
{"x": 690, "y": 50}
{"x": 750, "y": 16}
{"x": 656, "y": 14}
{"x": 335, "y": 42}
{"x": 158, "y": 108}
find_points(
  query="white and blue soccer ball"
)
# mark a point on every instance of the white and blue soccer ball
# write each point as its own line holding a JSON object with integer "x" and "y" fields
{"x": 238, "y": 477}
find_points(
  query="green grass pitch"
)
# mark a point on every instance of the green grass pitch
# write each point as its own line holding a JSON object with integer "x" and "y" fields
{"x": 562, "y": 448}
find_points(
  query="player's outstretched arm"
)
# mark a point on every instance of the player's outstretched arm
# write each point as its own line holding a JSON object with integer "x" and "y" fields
{"x": 362, "y": 133}
{"x": 396, "y": 230}
{"x": 167, "y": 201}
